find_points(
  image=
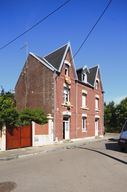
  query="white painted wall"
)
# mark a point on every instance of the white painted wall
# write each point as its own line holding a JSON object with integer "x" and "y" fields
{"x": 3, "y": 139}
{"x": 39, "y": 140}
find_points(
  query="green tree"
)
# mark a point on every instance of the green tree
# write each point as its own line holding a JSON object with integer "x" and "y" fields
{"x": 115, "y": 115}
{"x": 110, "y": 117}
{"x": 122, "y": 112}
{"x": 11, "y": 117}
{"x": 8, "y": 112}
{"x": 2, "y": 91}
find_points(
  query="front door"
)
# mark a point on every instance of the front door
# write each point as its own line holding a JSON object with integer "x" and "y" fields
{"x": 66, "y": 128}
{"x": 96, "y": 126}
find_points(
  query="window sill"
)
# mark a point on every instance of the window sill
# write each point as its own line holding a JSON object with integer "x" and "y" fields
{"x": 66, "y": 105}
{"x": 97, "y": 110}
{"x": 84, "y": 131}
{"x": 85, "y": 108}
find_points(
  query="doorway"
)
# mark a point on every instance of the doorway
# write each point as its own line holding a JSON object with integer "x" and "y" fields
{"x": 66, "y": 127}
{"x": 96, "y": 126}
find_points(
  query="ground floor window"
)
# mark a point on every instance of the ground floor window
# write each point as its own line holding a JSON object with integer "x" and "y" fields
{"x": 84, "y": 124}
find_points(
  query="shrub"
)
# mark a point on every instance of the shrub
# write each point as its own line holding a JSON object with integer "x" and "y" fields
{"x": 11, "y": 117}
{"x": 29, "y": 115}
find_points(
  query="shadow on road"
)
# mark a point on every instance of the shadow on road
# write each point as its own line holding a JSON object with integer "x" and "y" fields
{"x": 112, "y": 144}
{"x": 102, "y": 153}
{"x": 113, "y": 139}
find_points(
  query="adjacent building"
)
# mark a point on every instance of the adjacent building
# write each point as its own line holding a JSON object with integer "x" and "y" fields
{"x": 73, "y": 97}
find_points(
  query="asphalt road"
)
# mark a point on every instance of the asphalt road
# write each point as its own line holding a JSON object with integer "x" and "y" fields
{"x": 92, "y": 167}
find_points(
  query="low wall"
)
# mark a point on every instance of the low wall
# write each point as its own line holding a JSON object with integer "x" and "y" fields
{"x": 3, "y": 138}
{"x": 41, "y": 129}
{"x": 42, "y": 134}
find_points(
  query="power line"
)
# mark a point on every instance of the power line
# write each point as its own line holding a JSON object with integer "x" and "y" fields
{"x": 36, "y": 24}
{"x": 89, "y": 33}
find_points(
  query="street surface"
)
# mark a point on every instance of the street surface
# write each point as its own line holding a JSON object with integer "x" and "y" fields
{"x": 90, "y": 167}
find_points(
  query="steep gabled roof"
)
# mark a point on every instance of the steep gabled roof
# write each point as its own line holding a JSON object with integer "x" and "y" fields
{"x": 55, "y": 58}
{"x": 91, "y": 75}
{"x": 43, "y": 61}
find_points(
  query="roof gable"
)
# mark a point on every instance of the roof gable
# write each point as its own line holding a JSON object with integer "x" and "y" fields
{"x": 55, "y": 58}
{"x": 99, "y": 76}
{"x": 42, "y": 60}
{"x": 55, "y": 61}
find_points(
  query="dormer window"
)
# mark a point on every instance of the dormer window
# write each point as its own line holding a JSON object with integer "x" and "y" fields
{"x": 84, "y": 77}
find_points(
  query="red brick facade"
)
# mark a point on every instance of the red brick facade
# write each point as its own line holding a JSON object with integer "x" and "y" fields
{"x": 39, "y": 86}
{"x": 34, "y": 88}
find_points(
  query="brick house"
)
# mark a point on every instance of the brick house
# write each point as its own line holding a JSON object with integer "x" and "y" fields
{"x": 73, "y": 97}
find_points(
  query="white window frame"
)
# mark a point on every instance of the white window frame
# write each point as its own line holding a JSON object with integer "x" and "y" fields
{"x": 97, "y": 103}
{"x": 66, "y": 95}
{"x": 96, "y": 126}
{"x": 66, "y": 69}
{"x": 84, "y": 100}
{"x": 84, "y": 123}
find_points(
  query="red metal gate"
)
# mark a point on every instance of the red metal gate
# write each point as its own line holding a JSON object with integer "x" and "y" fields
{"x": 18, "y": 137}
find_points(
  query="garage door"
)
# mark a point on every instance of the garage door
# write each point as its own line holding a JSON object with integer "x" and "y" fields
{"x": 18, "y": 137}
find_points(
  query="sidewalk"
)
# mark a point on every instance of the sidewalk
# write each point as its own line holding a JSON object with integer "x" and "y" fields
{"x": 30, "y": 151}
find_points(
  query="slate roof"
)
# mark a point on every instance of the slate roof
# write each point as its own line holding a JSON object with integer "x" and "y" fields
{"x": 54, "y": 61}
{"x": 91, "y": 75}
{"x": 56, "y": 57}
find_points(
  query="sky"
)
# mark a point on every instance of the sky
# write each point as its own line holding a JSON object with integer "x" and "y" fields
{"x": 106, "y": 46}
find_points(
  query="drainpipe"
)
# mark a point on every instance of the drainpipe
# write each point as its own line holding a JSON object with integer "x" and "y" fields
{"x": 102, "y": 128}
{"x": 25, "y": 72}
{"x": 54, "y": 126}
{"x": 76, "y": 107}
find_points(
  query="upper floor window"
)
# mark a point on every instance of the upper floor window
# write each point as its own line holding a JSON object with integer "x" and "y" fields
{"x": 84, "y": 99}
{"x": 84, "y": 77}
{"x": 96, "y": 103}
{"x": 66, "y": 94}
{"x": 66, "y": 70}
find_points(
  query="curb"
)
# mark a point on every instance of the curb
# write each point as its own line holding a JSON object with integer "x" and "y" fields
{"x": 56, "y": 147}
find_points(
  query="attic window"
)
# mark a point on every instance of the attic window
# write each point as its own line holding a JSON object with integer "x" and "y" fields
{"x": 84, "y": 77}
{"x": 96, "y": 84}
{"x": 66, "y": 70}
